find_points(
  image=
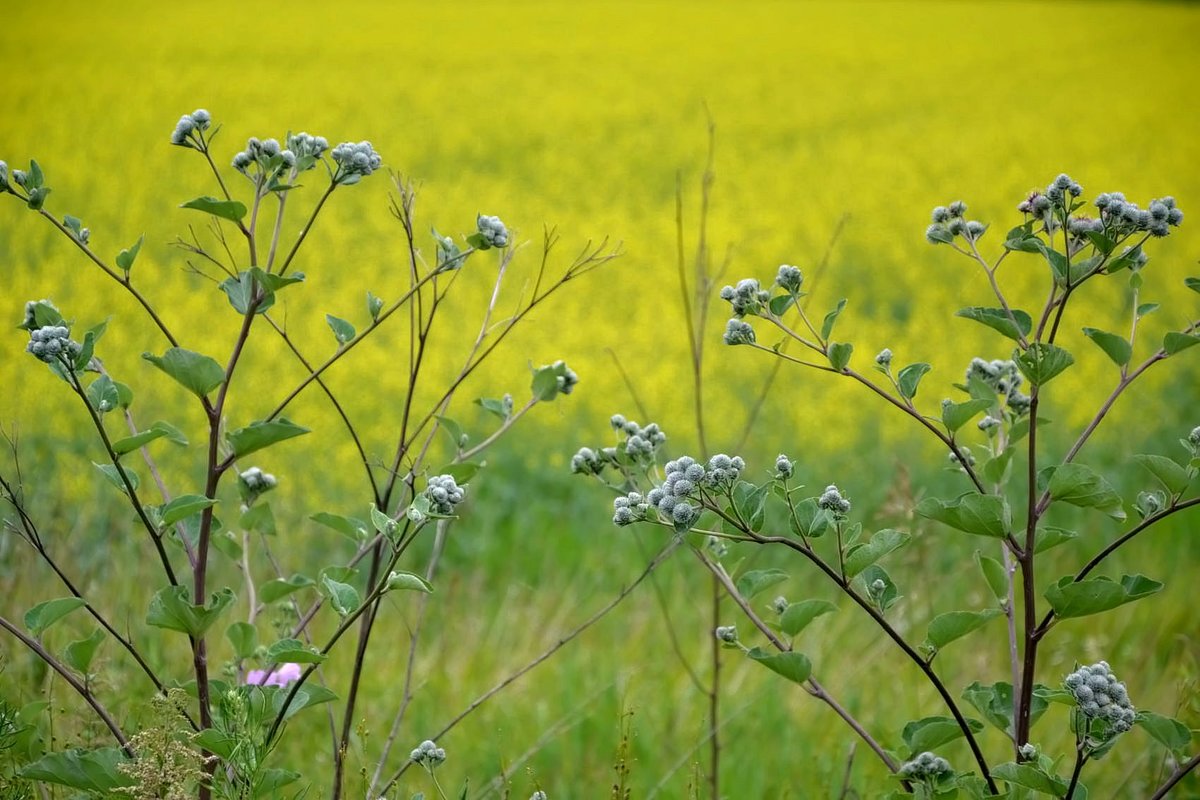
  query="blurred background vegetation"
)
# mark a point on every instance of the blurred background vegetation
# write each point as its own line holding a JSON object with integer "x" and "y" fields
{"x": 854, "y": 118}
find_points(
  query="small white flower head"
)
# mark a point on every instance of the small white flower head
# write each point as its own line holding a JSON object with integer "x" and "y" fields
{"x": 722, "y": 471}
{"x": 940, "y": 215}
{"x": 779, "y": 604}
{"x": 877, "y": 588}
{"x": 617, "y": 421}
{"x": 566, "y": 377}
{"x": 975, "y": 229}
{"x": 1028, "y": 752}
{"x": 957, "y": 209}
{"x": 427, "y": 754}
{"x": 52, "y": 343}
{"x": 831, "y": 500}
{"x": 783, "y": 466}
{"x": 254, "y": 482}
{"x": 355, "y": 161}
{"x": 444, "y": 494}
{"x": 789, "y": 278}
{"x": 629, "y": 509}
{"x": 738, "y": 332}
{"x": 1194, "y": 437}
{"x": 183, "y": 133}
{"x": 884, "y": 358}
{"x": 492, "y": 230}
{"x": 1036, "y": 204}
{"x": 684, "y": 514}
{"x": 306, "y": 145}
{"x": 726, "y": 634}
{"x": 926, "y": 767}
{"x": 538, "y": 795}
{"x": 747, "y": 298}
{"x": 1101, "y": 698}
{"x": 988, "y": 423}
{"x": 586, "y": 462}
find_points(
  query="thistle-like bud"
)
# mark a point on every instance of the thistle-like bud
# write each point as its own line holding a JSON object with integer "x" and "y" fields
{"x": 492, "y": 230}
{"x": 783, "y": 466}
{"x": 428, "y": 754}
{"x": 355, "y": 161}
{"x": 726, "y": 634}
{"x": 51, "y": 343}
{"x": 789, "y": 278}
{"x": 779, "y": 604}
{"x": 831, "y": 500}
{"x": 444, "y": 494}
{"x": 738, "y": 332}
{"x": 884, "y": 358}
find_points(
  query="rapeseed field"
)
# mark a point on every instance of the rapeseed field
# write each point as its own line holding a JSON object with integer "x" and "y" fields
{"x": 838, "y": 126}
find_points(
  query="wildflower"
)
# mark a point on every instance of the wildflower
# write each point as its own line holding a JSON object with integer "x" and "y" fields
{"x": 747, "y": 297}
{"x": 51, "y": 343}
{"x": 832, "y": 500}
{"x": 940, "y": 214}
{"x": 957, "y": 209}
{"x": 789, "y": 278}
{"x": 783, "y": 466}
{"x": 975, "y": 229}
{"x": 738, "y": 332}
{"x": 586, "y": 462}
{"x": 925, "y": 767}
{"x": 492, "y": 230}
{"x": 183, "y": 131}
{"x": 355, "y": 161}
{"x": 444, "y": 494}
{"x": 1036, "y": 203}
{"x": 428, "y": 754}
{"x": 285, "y": 675}
{"x": 722, "y": 471}
{"x": 1100, "y": 697}
{"x": 304, "y": 145}
{"x": 727, "y": 634}
{"x": 629, "y": 509}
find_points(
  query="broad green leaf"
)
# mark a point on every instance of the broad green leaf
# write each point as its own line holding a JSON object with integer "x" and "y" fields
{"x": 159, "y": 430}
{"x": 198, "y": 373}
{"x": 545, "y": 383}
{"x": 1173, "y": 477}
{"x": 258, "y": 435}
{"x": 980, "y": 514}
{"x": 995, "y": 575}
{"x": 293, "y": 651}
{"x": 244, "y": 638}
{"x": 797, "y": 616}
{"x": 998, "y": 320}
{"x": 461, "y": 471}
{"x": 231, "y": 210}
{"x": 1192, "y": 283}
{"x": 343, "y": 331}
{"x": 955, "y": 415}
{"x": 79, "y": 654}
{"x": 352, "y": 528}
{"x": 276, "y": 589}
{"x": 381, "y": 521}
{"x": 453, "y": 430}
{"x": 1058, "y": 263}
{"x": 1146, "y": 308}
{"x": 1171, "y": 733}
{"x": 757, "y": 581}
{"x": 831, "y": 318}
{"x": 839, "y": 355}
{"x": 497, "y": 407}
{"x": 269, "y": 781}
{"x": 882, "y": 542}
{"x": 1071, "y": 598}
{"x": 750, "y": 503}
{"x": 259, "y": 519}
{"x": 273, "y": 282}
{"x": 998, "y": 468}
{"x": 126, "y": 257}
{"x": 1080, "y": 486}
{"x": 910, "y": 377}
{"x": 1049, "y": 536}
{"x": 1042, "y": 362}
{"x": 172, "y": 608}
{"x": 113, "y": 475}
{"x": 945, "y": 628}
{"x": 792, "y": 665}
{"x": 1175, "y": 342}
{"x": 242, "y": 290}
{"x": 342, "y": 596}
{"x": 931, "y": 733}
{"x": 102, "y": 394}
{"x": 374, "y": 306}
{"x": 995, "y": 703}
{"x": 184, "y": 506}
{"x": 780, "y": 304}
{"x": 88, "y": 770}
{"x": 406, "y": 581}
{"x": 217, "y": 742}
{"x": 1115, "y": 347}
{"x": 306, "y": 696}
{"x": 125, "y": 397}
{"x": 890, "y": 594}
{"x": 43, "y": 615}
{"x": 810, "y": 520}
{"x": 228, "y": 544}
{"x": 1031, "y": 777}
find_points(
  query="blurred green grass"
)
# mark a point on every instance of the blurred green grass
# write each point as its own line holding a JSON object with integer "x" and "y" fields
{"x": 581, "y": 115}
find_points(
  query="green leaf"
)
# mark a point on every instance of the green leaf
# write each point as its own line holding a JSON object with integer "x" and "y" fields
{"x": 259, "y": 519}
{"x": 244, "y": 638}
{"x": 1042, "y": 362}
{"x": 1192, "y": 283}
{"x": 126, "y": 257}
{"x": 306, "y": 696}
{"x": 273, "y": 282}
{"x": 258, "y": 435}
{"x": 172, "y": 608}
{"x": 497, "y": 407}
{"x": 158, "y": 430}
{"x": 810, "y": 520}
{"x": 279, "y": 588}
{"x": 839, "y": 355}
{"x": 797, "y": 616}
{"x": 125, "y": 398}
{"x": 342, "y": 596}
{"x": 43, "y": 615}
{"x": 998, "y": 468}
{"x": 1146, "y": 309}
{"x": 945, "y": 628}
{"x": 198, "y": 373}
{"x": 750, "y": 503}
{"x": 1049, "y": 536}
{"x": 891, "y": 595}
{"x": 113, "y": 476}
{"x": 44, "y": 313}
{"x": 980, "y": 514}
{"x": 998, "y": 320}
{"x": 780, "y": 304}
{"x": 1116, "y": 347}
{"x": 217, "y": 742}
{"x": 231, "y": 210}
{"x": 406, "y": 581}
{"x": 102, "y": 394}
{"x": 356, "y": 530}
{"x": 757, "y": 581}
{"x": 1174, "y": 478}
{"x": 1171, "y": 733}
{"x": 1071, "y": 598}
{"x": 792, "y": 665}
{"x": 995, "y": 703}
{"x": 931, "y": 733}
{"x": 374, "y": 306}
{"x": 1175, "y": 342}
{"x": 545, "y": 383}
{"x": 1080, "y": 486}
{"x": 910, "y": 377}
{"x": 343, "y": 331}
{"x": 269, "y": 781}
{"x": 294, "y": 651}
{"x": 1031, "y": 777}
{"x": 831, "y": 318}
{"x": 461, "y": 471}
{"x": 88, "y": 770}
{"x": 955, "y": 415}
{"x": 453, "y": 430}
{"x": 882, "y": 542}
{"x": 995, "y": 575}
{"x": 79, "y": 654}
{"x": 242, "y": 291}
{"x": 184, "y": 506}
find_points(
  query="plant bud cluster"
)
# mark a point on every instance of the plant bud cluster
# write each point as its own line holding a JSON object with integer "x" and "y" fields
{"x": 925, "y": 767}
{"x": 789, "y": 278}
{"x": 1005, "y": 378}
{"x": 748, "y": 298}
{"x": 444, "y": 494}
{"x": 831, "y": 500}
{"x": 427, "y": 754}
{"x": 950, "y": 221}
{"x": 1101, "y": 697}
{"x": 52, "y": 342}
{"x": 190, "y": 126}
{"x": 355, "y": 161}
{"x": 738, "y": 332}
{"x": 492, "y": 230}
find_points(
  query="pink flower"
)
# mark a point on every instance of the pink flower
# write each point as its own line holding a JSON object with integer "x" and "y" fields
{"x": 285, "y": 674}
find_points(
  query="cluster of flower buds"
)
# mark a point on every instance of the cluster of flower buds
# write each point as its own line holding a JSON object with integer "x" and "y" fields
{"x": 747, "y": 298}
{"x": 1003, "y": 376}
{"x": 784, "y": 466}
{"x": 566, "y": 377}
{"x": 738, "y": 332}
{"x": 832, "y": 501}
{"x": 444, "y": 494}
{"x": 723, "y": 471}
{"x": 586, "y": 462}
{"x": 1121, "y": 217}
{"x": 629, "y": 509}
{"x": 303, "y": 145}
{"x": 640, "y": 443}
{"x": 726, "y": 634}
{"x": 674, "y": 498}
{"x": 884, "y": 359}
{"x": 355, "y": 161}
{"x": 492, "y": 230}
{"x": 190, "y": 126}
{"x": 950, "y": 221}
{"x": 925, "y": 767}
{"x": 254, "y": 482}
{"x": 267, "y": 154}
{"x": 51, "y": 343}
{"x": 427, "y": 754}
{"x": 789, "y": 278}
{"x": 1061, "y": 188}
{"x": 1101, "y": 697}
